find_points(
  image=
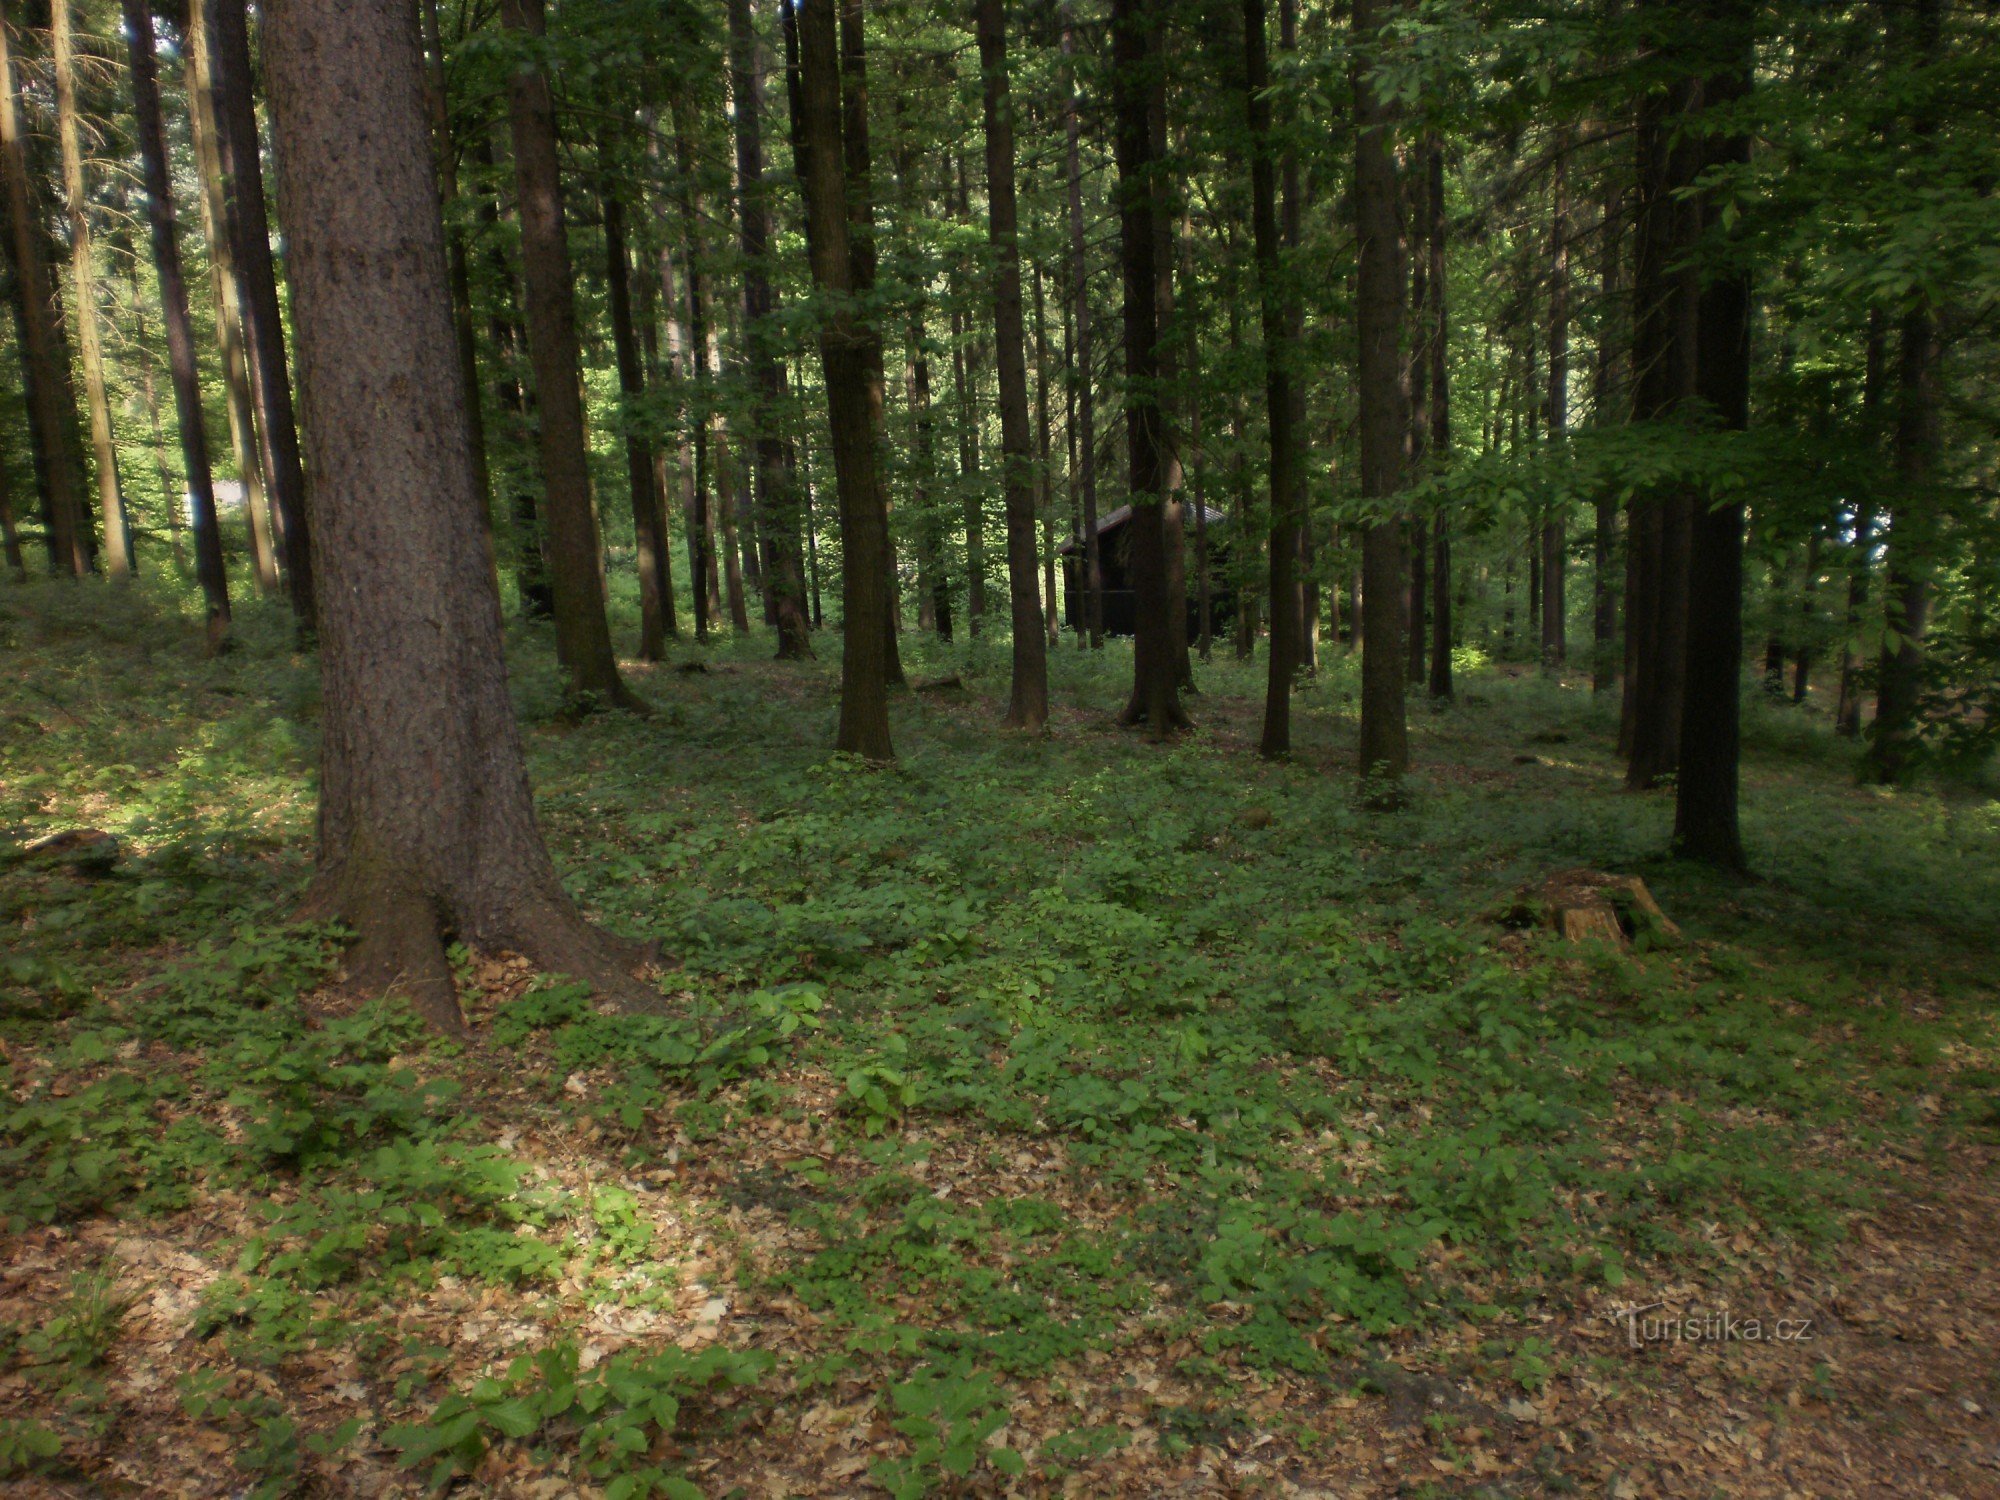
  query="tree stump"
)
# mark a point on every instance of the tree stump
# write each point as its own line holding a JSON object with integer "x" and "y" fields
{"x": 1585, "y": 904}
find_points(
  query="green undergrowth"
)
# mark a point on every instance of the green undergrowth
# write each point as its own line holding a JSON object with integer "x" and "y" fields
{"x": 1210, "y": 1057}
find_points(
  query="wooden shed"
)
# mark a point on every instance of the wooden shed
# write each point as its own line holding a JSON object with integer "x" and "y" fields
{"x": 1120, "y": 603}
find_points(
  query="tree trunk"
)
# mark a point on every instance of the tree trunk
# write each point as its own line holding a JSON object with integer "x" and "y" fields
{"x": 861, "y": 250}
{"x": 1082, "y": 371}
{"x": 1440, "y": 352}
{"x": 118, "y": 559}
{"x": 583, "y": 635}
{"x": 844, "y": 347}
{"x": 649, "y": 520}
{"x": 1916, "y": 446}
{"x": 1028, "y": 696}
{"x": 1555, "y": 546}
{"x": 1663, "y": 364}
{"x": 1847, "y": 713}
{"x": 214, "y": 201}
{"x": 427, "y": 830}
{"x": 776, "y": 483}
{"x": 1604, "y": 662}
{"x": 1280, "y": 410}
{"x": 1705, "y": 821}
{"x": 1384, "y": 394}
{"x": 1155, "y": 700}
{"x": 51, "y": 397}
{"x": 180, "y": 328}
{"x": 263, "y": 323}
{"x": 1045, "y": 495}
{"x": 691, "y": 354}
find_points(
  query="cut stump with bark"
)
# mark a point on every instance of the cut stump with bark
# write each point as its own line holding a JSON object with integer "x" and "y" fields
{"x": 1584, "y": 904}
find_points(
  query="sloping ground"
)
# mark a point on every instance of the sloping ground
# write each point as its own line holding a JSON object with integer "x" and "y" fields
{"x": 1072, "y": 1117}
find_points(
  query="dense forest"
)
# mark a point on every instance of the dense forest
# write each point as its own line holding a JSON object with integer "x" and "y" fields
{"x": 819, "y": 747}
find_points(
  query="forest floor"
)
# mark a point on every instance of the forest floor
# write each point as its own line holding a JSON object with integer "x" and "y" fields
{"x": 1074, "y": 1115}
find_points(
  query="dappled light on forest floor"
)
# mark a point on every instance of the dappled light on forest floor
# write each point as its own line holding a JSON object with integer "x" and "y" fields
{"x": 1067, "y": 1115}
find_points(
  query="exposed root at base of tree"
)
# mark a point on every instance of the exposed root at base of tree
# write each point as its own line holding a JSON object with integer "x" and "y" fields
{"x": 402, "y": 939}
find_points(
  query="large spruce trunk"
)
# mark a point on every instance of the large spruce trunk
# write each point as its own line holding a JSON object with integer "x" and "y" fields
{"x": 1028, "y": 698}
{"x": 583, "y": 635}
{"x": 427, "y": 831}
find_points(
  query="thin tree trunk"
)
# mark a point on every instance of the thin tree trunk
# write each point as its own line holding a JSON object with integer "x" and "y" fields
{"x": 51, "y": 398}
{"x": 649, "y": 520}
{"x": 248, "y": 224}
{"x": 427, "y": 830}
{"x": 692, "y": 357}
{"x": 1082, "y": 370}
{"x": 1440, "y": 351}
{"x": 965, "y": 381}
{"x": 1028, "y": 696}
{"x": 844, "y": 360}
{"x": 1555, "y": 548}
{"x": 118, "y": 559}
{"x": 1418, "y": 607}
{"x": 776, "y": 483}
{"x": 1280, "y": 410}
{"x": 241, "y": 405}
{"x": 1916, "y": 447}
{"x": 1847, "y": 713}
{"x": 583, "y": 634}
{"x": 646, "y": 310}
{"x": 1380, "y": 281}
{"x": 1045, "y": 499}
{"x": 1604, "y": 602}
{"x": 180, "y": 329}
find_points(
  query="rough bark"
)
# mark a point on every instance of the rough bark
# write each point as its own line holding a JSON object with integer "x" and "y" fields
{"x": 437, "y": 97}
{"x": 427, "y": 830}
{"x": 844, "y": 346}
{"x": 174, "y": 310}
{"x": 1384, "y": 394}
{"x": 583, "y": 635}
{"x": 1028, "y": 694}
